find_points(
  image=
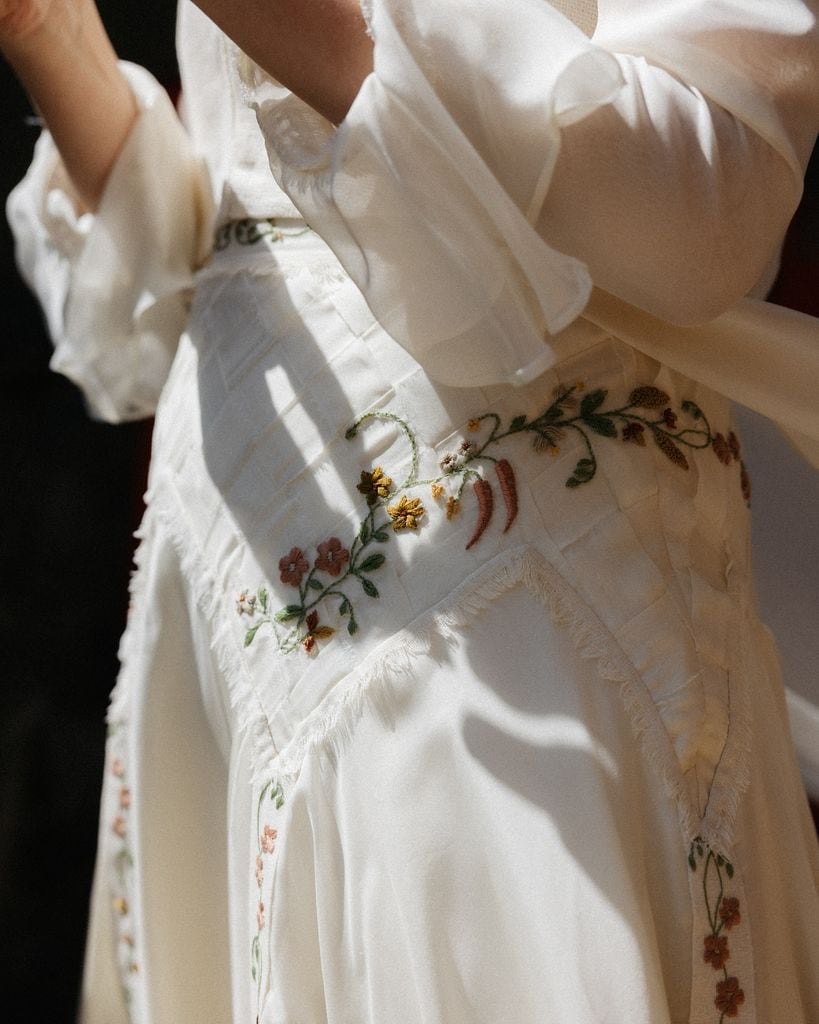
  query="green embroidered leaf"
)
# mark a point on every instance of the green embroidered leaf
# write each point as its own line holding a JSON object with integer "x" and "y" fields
{"x": 381, "y": 535}
{"x": 691, "y": 861}
{"x": 352, "y": 626}
{"x": 255, "y": 957}
{"x": 369, "y": 587}
{"x": 351, "y": 432}
{"x": 314, "y": 583}
{"x": 263, "y": 595}
{"x": 373, "y": 562}
{"x": 692, "y": 409}
{"x": 251, "y": 633}
{"x": 291, "y": 611}
{"x": 345, "y": 608}
{"x": 601, "y": 425}
{"x": 583, "y": 472}
{"x": 648, "y": 398}
{"x": 364, "y": 532}
{"x": 593, "y": 400}
{"x": 729, "y": 869}
{"x": 518, "y": 423}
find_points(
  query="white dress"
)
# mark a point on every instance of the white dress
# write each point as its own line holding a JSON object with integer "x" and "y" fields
{"x": 443, "y": 694}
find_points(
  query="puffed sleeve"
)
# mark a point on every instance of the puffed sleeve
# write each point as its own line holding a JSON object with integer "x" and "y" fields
{"x": 498, "y": 163}
{"x": 114, "y": 285}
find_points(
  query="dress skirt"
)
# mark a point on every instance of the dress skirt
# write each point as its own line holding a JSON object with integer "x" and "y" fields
{"x": 452, "y": 702}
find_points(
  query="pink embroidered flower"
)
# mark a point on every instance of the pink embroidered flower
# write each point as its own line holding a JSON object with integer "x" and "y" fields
{"x": 293, "y": 566}
{"x": 125, "y": 798}
{"x": 729, "y": 911}
{"x": 118, "y": 767}
{"x": 259, "y": 871}
{"x": 716, "y": 951}
{"x": 119, "y": 826}
{"x": 246, "y": 603}
{"x": 729, "y": 997}
{"x": 733, "y": 445}
{"x": 332, "y": 556}
{"x": 722, "y": 449}
{"x": 260, "y": 915}
{"x": 268, "y": 839}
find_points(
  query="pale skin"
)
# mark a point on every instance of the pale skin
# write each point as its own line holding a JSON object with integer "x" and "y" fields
{"x": 62, "y": 55}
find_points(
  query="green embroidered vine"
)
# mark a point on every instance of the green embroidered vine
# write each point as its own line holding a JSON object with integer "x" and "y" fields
{"x": 266, "y": 836}
{"x": 330, "y": 577}
{"x": 723, "y": 915}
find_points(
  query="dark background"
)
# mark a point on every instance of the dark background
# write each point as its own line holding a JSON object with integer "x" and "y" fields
{"x": 71, "y": 500}
{"x": 71, "y": 493}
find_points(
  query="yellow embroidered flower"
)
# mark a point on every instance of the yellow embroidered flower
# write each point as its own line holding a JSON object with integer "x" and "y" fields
{"x": 453, "y": 507}
{"x": 120, "y": 905}
{"x": 406, "y": 513}
{"x": 437, "y": 490}
{"x": 474, "y": 424}
{"x": 374, "y": 485}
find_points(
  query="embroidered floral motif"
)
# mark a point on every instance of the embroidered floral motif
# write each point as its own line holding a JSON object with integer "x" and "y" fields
{"x": 249, "y": 231}
{"x": 723, "y": 915}
{"x": 647, "y": 414}
{"x": 122, "y": 864}
{"x": 266, "y": 836}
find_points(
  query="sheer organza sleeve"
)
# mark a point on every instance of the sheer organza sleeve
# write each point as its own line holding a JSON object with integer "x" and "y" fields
{"x": 498, "y": 163}
{"x": 114, "y": 285}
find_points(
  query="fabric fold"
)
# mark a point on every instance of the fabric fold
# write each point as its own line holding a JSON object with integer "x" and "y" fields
{"x": 443, "y": 247}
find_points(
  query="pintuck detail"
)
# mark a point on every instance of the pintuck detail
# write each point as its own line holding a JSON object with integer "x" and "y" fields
{"x": 478, "y": 465}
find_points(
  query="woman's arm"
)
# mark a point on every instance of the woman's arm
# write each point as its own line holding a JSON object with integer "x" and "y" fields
{"x": 319, "y": 49}
{"x": 62, "y": 55}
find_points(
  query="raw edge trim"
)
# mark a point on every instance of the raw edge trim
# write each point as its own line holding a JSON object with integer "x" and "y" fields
{"x": 387, "y": 671}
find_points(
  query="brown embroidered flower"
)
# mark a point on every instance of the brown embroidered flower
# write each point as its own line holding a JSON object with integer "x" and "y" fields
{"x": 722, "y": 449}
{"x": 453, "y": 507}
{"x": 374, "y": 485}
{"x": 267, "y": 840}
{"x": 119, "y": 826}
{"x": 246, "y": 603}
{"x": 260, "y": 915}
{"x": 406, "y": 514}
{"x": 670, "y": 418}
{"x": 293, "y": 566}
{"x": 716, "y": 951}
{"x": 332, "y": 556}
{"x": 125, "y": 798}
{"x": 315, "y": 632}
{"x": 634, "y": 432}
{"x": 729, "y": 997}
{"x": 745, "y": 483}
{"x": 437, "y": 490}
{"x": 729, "y": 911}
{"x": 259, "y": 871}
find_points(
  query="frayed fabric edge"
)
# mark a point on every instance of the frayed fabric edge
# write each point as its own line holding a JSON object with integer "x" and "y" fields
{"x": 384, "y": 676}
